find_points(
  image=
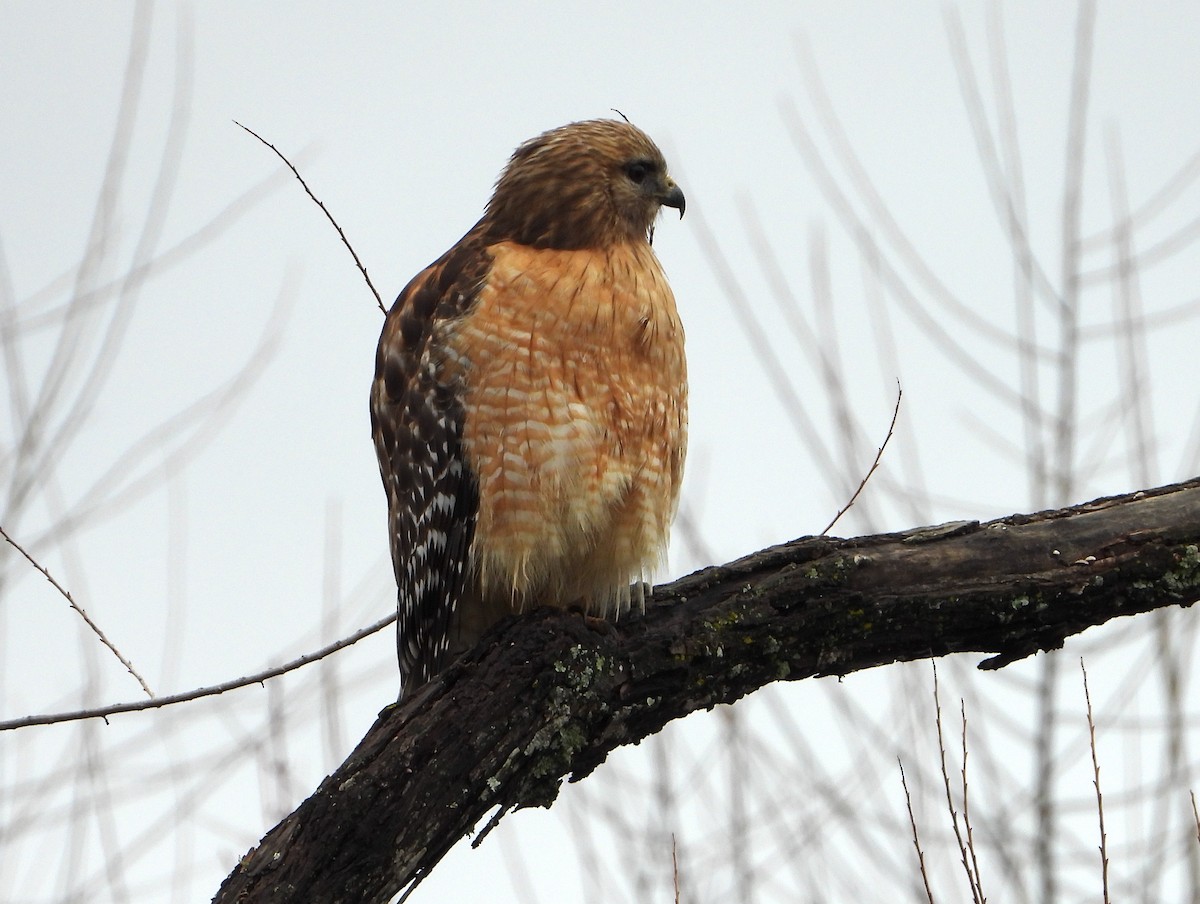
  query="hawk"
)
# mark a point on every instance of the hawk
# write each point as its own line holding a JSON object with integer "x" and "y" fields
{"x": 529, "y": 406}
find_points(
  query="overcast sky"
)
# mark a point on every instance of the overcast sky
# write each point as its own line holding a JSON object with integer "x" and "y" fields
{"x": 400, "y": 116}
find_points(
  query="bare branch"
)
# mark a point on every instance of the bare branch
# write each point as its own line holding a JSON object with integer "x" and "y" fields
{"x": 1096, "y": 781}
{"x": 95, "y": 628}
{"x": 1195, "y": 815}
{"x": 675, "y": 863}
{"x": 325, "y": 210}
{"x": 874, "y": 464}
{"x": 966, "y": 801}
{"x": 103, "y": 712}
{"x": 964, "y": 857}
{"x": 916, "y": 836}
{"x": 548, "y": 695}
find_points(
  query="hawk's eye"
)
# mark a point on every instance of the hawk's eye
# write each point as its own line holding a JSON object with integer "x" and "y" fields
{"x": 637, "y": 171}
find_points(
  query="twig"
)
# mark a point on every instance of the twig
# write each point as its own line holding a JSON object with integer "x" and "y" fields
{"x": 874, "y": 464}
{"x": 1096, "y": 781}
{"x": 912, "y": 821}
{"x": 324, "y": 209}
{"x": 1195, "y": 815}
{"x": 212, "y": 690}
{"x": 421, "y": 875}
{"x": 491, "y": 824}
{"x": 967, "y": 808}
{"x": 675, "y": 859}
{"x": 972, "y": 879}
{"x": 82, "y": 614}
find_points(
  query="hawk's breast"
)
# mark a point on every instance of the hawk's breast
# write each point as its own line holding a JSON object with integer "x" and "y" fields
{"x": 576, "y": 421}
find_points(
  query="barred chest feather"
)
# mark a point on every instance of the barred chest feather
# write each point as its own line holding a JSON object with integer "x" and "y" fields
{"x": 576, "y": 424}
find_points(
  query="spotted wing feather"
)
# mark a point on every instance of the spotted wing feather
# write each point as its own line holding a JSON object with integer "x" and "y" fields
{"x": 417, "y": 420}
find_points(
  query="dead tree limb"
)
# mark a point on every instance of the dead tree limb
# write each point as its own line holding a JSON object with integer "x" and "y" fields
{"x": 548, "y": 695}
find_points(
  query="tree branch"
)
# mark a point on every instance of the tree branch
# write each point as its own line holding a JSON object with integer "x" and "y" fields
{"x": 549, "y": 694}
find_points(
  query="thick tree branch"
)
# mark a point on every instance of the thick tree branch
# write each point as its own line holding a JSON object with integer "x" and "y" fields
{"x": 549, "y": 694}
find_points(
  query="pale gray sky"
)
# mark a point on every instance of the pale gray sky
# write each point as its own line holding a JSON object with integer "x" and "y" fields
{"x": 400, "y": 117}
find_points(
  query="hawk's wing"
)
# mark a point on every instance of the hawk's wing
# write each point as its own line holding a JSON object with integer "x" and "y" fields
{"x": 417, "y": 424}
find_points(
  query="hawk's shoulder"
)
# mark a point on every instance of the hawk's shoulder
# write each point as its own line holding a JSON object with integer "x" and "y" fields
{"x": 444, "y": 291}
{"x": 417, "y": 421}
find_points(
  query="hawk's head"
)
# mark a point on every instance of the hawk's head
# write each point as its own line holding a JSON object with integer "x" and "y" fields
{"x": 584, "y": 185}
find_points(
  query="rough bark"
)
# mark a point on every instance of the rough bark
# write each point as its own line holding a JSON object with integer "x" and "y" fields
{"x": 548, "y": 695}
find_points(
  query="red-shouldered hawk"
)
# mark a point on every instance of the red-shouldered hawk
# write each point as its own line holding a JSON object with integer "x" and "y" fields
{"x": 529, "y": 407}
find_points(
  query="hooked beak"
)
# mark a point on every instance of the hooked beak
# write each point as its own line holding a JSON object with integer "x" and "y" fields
{"x": 672, "y": 196}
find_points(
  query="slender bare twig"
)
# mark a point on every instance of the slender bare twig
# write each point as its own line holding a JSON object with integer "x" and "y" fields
{"x": 1096, "y": 781}
{"x": 79, "y": 610}
{"x": 912, "y": 821}
{"x": 1195, "y": 815}
{"x": 972, "y": 880}
{"x": 822, "y": 351}
{"x": 675, "y": 860}
{"x": 500, "y": 813}
{"x": 874, "y": 464}
{"x": 325, "y": 210}
{"x": 966, "y": 813}
{"x": 103, "y": 712}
